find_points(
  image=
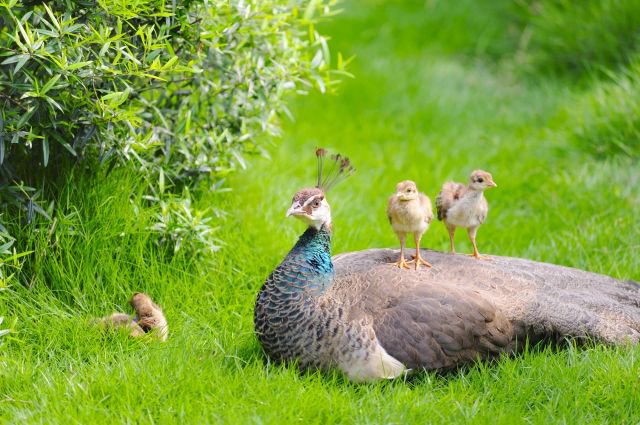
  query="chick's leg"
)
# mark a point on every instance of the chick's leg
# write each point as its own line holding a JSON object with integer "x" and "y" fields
{"x": 418, "y": 259}
{"x": 401, "y": 263}
{"x": 452, "y": 231}
{"x": 472, "y": 235}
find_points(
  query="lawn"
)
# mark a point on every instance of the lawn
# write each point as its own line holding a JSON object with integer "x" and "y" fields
{"x": 435, "y": 96}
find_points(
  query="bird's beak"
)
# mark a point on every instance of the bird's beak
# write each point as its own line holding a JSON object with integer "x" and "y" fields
{"x": 294, "y": 210}
{"x": 492, "y": 184}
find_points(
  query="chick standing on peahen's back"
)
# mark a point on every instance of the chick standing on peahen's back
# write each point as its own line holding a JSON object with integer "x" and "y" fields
{"x": 465, "y": 206}
{"x": 409, "y": 211}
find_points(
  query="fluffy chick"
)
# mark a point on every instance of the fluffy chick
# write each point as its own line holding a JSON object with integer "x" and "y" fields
{"x": 122, "y": 320}
{"x": 409, "y": 211}
{"x": 465, "y": 206}
{"x": 149, "y": 318}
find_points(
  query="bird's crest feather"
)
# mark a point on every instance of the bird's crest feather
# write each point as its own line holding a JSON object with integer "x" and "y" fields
{"x": 338, "y": 168}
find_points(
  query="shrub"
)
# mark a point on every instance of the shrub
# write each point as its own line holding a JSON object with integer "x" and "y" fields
{"x": 182, "y": 91}
{"x": 577, "y": 36}
{"x": 606, "y": 120}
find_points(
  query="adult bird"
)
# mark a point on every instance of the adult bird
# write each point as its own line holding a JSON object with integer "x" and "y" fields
{"x": 375, "y": 322}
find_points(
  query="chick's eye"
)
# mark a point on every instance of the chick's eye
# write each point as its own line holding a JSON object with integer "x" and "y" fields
{"x": 480, "y": 179}
{"x": 316, "y": 203}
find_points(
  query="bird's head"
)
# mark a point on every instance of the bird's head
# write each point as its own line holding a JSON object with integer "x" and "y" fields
{"x": 311, "y": 206}
{"x": 481, "y": 180}
{"x": 407, "y": 191}
{"x": 142, "y": 303}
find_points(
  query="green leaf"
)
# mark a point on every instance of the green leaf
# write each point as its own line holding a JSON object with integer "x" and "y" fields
{"x": 64, "y": 143}
{"x": 1, "y": 140}
{"x": 13, "y": 59}
{"x": 104, "y": 48}
{"x": 73, "y": 28}
{"x": 46, "y": 32}
{"x": 325, "y": 51}
{"x": 53, "y": 103}
{"x": 50, "y": 84}
{"x": 45, "y": 151}
{"x": 29, "y": 94}
{"x": 5, "y": 249}
{"x": 161, "y": 180}
{"x": 311, "y": 9}
{"x": 26, "y": 37}
{"x": 78, "y": 65}
{"x": 25, "y": 117}
{"x": 52, "y": 16}
{"x": 21, "y": 63}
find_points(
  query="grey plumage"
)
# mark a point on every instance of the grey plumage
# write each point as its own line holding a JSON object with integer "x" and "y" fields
{"x": 463, "y": 309}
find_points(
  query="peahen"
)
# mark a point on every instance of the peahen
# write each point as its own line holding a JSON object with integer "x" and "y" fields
{"x": 373, "y": 321}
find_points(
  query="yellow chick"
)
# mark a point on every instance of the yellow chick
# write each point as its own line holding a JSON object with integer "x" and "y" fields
{"x": 409, "y": 211}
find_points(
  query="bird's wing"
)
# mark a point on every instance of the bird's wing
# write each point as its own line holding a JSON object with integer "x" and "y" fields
{"x": 422, "y": 323}
{"x": 449, "y": 194}
{"x": 483, "y": 209}
{"x": 427, "y": 326}
{"x": 390, "y": 205}
{"x": 442, "y": 316}
{"x": 425, "y": 202}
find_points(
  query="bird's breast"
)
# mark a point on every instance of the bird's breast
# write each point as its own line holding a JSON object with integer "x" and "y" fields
{"x": 409, "y": 214}
{"x": 464, "y": 214}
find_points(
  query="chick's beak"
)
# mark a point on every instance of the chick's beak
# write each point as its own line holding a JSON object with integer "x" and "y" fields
{"x": 492, "y": 184}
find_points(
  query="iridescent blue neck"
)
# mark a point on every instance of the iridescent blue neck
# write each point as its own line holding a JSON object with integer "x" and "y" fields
{"x": 311, "y": 257}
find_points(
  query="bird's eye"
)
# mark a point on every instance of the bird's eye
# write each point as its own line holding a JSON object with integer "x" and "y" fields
{"x": 480, "y": 179}
{"x": 408, "y": 190}
{"x": 316, "y": 203}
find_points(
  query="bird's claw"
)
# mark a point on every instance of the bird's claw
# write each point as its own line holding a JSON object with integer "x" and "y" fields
{"x": 479, "y": 257}
{"x": 401, "y": 263}
{"x": 419, "y": 261}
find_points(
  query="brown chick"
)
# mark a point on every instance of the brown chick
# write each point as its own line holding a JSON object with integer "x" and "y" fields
{"x": 122, "y": 320}
{"x": 149, "y": 318}
{"x": 409, "y": 212}
{"x": 465, "y": 206}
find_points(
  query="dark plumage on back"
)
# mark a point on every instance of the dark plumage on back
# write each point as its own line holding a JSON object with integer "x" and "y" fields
{"x": 464, "y": 309}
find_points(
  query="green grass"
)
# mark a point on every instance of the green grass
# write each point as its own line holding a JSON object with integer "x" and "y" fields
{"x": 569, "y": 37}
{"x": 417, "y": 110}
